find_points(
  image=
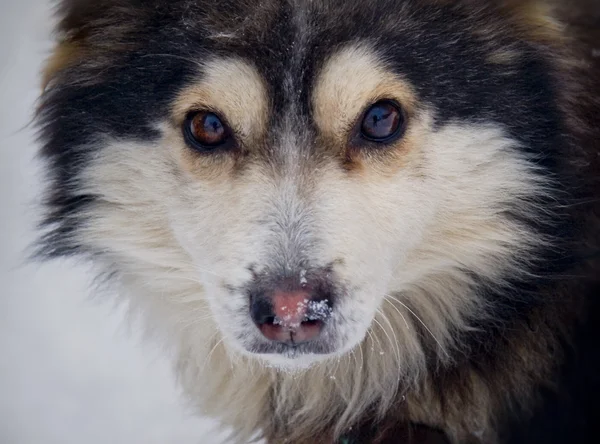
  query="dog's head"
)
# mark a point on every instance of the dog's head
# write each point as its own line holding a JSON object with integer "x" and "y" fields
{"x": 302, "y": 176}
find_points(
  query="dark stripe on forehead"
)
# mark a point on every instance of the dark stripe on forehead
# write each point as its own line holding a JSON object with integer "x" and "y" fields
{"x": 284, "y": 59}
{"x": 284, "y": 55}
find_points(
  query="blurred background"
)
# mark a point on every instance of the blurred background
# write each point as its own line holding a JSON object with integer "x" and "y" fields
{"x": 71, "y": 372}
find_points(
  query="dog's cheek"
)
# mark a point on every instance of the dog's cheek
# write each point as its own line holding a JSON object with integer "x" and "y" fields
{"x": 368, "y": 224}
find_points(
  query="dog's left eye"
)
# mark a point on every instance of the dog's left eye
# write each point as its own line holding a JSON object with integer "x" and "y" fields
{"x": 383, "y": 122}
{"x": 205, "y": 131}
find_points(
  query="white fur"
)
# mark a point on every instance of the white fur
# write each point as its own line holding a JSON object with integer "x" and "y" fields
{"x": 174, "y": 241}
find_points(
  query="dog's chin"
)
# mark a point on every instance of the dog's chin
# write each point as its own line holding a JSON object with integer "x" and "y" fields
{"x": 288, "y": 358}
{"x": 292, "y": 361}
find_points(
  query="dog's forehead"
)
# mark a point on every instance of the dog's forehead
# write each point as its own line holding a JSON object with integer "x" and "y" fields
{"x": 293, "y": 46}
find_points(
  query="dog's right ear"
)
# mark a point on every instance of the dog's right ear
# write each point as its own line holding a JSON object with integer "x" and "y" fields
{"x": 83, "y": 29}
{"x": 74, "y": 19}
{"x": 78, "y": 16}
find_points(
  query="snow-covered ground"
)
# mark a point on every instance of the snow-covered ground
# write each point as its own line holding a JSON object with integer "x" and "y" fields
{"x": 70, "y": 373}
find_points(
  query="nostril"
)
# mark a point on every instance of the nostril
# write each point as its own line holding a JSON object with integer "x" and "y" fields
{"x": 269, "y": 320}
{"x": 311, "y": 323}
{"x": 261, "y": 311}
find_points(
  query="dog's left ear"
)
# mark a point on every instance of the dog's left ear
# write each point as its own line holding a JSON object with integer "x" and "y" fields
{"x": 538, "y": 19}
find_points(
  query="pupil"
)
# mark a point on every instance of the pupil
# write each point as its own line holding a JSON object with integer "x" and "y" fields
{"x": 378, "y": 116}
{"x": 214, "y": 126}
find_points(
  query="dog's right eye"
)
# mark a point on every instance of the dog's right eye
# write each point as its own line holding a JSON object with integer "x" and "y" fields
{"x": 205, "y": 131}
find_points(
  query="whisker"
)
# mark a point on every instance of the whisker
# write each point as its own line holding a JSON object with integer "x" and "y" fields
{"x": 396, "y": 345}
{"x": 386, "y": 334}
{"x": 210, "y": 354}
{"x": 195, "y": 321}
{"x": 399, "y": 312}
{"x": 362, "y": 356}
{"x": 374, "y": 339}
{"x": 422, "y": 323}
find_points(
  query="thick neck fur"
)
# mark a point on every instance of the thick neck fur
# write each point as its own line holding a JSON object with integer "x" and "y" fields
{"x": 413, "y": 345}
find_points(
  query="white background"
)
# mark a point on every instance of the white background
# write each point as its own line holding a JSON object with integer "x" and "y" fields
{"x": 70, "y": 372}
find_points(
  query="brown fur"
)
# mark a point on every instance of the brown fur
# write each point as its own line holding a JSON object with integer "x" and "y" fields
{"x": 82, "y": 39}
{"x": 65, "y": 54}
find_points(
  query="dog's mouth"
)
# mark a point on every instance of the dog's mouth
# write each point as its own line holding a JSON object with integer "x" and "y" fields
{"x": 292, "y": 355}
{"x": 291, "y": 334}
{"x": 291, "y": 340}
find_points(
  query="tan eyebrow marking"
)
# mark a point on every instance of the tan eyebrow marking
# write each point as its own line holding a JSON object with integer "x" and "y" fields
{"x": 352, "y": 79}
{"x": 233, "y": 88}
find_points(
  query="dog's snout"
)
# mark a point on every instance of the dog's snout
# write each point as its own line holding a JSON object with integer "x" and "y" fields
{"x": 291, "y": 316}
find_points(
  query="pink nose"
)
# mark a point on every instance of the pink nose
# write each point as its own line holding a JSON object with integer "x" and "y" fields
{"x": 290, "y": 308}
{"x": 291, "y": 316}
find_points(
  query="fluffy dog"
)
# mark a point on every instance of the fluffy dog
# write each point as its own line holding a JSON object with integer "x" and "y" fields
{"x": 360, "y": 221}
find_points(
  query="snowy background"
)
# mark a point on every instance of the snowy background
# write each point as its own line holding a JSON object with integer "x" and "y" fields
{"x": 70, "y": 372}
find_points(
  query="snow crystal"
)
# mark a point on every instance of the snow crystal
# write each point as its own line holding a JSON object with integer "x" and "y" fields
{"x": 305, "y": 310}
{"x": 303, "y": 280}
{"x": 319, "y": 310}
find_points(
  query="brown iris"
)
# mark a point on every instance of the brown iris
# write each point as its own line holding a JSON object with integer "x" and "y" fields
{"x": 382, "y": 122}
{"x": 205, "y": 130}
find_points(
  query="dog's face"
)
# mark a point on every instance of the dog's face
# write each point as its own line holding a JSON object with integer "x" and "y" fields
{"x": 303, "y": 205}
{"x": 315, "y": 171}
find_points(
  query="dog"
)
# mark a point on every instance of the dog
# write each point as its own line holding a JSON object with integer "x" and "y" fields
{"x": 366, "y": 221}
